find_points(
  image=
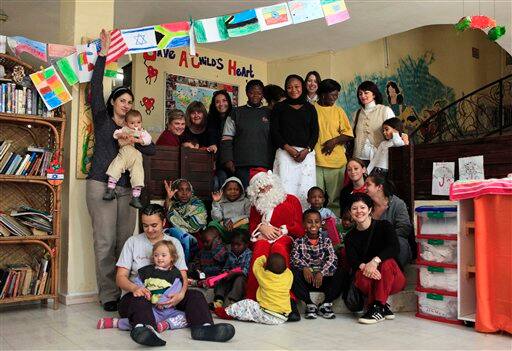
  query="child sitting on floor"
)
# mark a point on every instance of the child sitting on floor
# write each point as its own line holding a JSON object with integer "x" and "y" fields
{"x": 273, "y": 295}
{"x": 159, "y": 280}
{"x": 314, "y": 263}
{"x": 212, "y": 256}
{"x": 186, "y": 215}
{"x": 230, "y": 209}
{"x": 128, "y": 158}
{"x": 231, "y": 289}
{"x": 393, "y": 133}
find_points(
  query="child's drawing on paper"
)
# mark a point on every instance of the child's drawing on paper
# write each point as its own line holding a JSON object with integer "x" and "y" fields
{"x": 471, "y": 168}
{"x": 85, "y": 147}
{"x": 443, "y": 175}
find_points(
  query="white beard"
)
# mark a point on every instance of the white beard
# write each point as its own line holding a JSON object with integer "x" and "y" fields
{"x": 266, "y": 202}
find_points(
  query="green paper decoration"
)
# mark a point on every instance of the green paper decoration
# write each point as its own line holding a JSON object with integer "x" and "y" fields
{"x": 463, "y": 24}
{"x": 496, "y": 33}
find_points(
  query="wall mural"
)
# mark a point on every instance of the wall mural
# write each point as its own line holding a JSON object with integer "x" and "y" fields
{"x": 412, "y": 92}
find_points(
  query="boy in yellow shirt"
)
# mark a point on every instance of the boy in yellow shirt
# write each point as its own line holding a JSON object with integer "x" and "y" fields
{"x": 273, "y": 294}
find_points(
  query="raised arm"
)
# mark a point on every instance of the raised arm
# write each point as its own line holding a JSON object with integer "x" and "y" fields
{"x": 98, "y": 107}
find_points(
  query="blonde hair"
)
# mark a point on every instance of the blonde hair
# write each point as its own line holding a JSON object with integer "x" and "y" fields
{"x": 133, "y": 113}
{"x": 170, "y": 246}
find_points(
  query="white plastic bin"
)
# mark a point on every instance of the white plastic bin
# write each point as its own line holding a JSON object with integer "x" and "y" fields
{"x": 439, "y": 278}
{"x": 438, "y": 250}
{"x": 437, "y": 220}
{"x": 436, "y": 305}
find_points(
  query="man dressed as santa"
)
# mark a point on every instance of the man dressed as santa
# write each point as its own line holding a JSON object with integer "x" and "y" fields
{"x": 275, "y": 221}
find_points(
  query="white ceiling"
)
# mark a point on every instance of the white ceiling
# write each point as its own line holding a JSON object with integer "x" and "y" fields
{"x": 370, "y": 20}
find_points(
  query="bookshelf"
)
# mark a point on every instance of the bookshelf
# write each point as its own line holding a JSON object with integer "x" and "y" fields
{"x": 29, "y": 259}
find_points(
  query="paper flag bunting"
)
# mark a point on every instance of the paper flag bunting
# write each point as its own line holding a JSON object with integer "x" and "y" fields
{"x": 117, "y": 46}
{"x": 22, "y": 44}
{"x": 482, "y": 22}
{"x": 51, "y": 88}
{"x": 86, "y": 59}
{"x": 68, "y": 66}
{"x": 172, "y": 35}
{"x": 335, "y": 11}
{"x": 140, "y": 39}
{"x": 275, "y": 16}
{"x": 303, "y": 11}
{"x": 111, "y": 70}
{"x": 496, "y": 33}
{"x": 192, "y": 41}
{"x": 210, "y": 30}
{"x": 57, "y": 50}
{"x": 242, "y": 23}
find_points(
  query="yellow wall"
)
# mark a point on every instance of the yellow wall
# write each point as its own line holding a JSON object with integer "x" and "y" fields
{"x": 453, "y": 63}
{"x": 182, "y": 65}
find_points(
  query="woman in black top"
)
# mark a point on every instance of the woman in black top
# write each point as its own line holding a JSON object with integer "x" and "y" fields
{"x": 196, "y": 134}
{"x": 372, "y": 253}
{"x": 294, "y": 130}
{"x": 220, "y": 109}
{"x": 113, "y": 221}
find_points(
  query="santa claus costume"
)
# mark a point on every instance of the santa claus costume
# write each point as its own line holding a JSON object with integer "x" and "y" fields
{"x": 271, "y": 206}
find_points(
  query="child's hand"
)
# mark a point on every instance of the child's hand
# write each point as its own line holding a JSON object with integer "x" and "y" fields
{"x": 405, "y": 138}
{"x": 308, "y": 275}
{"x": 317, "y": 283}
{"x": 228, "y": 224}
{"x": 170, "y": 192}
{"x": 216, "y": 196}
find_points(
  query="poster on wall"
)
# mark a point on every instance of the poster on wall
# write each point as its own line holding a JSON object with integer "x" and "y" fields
{"x": 180, "y": 91}
{"x": 471, "y": 168}
{"x": 85, "y": 140}
{"x": 443, "y": 175}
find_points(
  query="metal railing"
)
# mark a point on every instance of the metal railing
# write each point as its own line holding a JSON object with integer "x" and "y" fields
{"x": 484, "y": 112}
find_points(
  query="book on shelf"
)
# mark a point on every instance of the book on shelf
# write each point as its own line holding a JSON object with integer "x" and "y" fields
{"x": 22, "y": 100}
{"x": 26, "y": 221}
{"x": 34, "y": 162}
{"x": 18, "y": 280}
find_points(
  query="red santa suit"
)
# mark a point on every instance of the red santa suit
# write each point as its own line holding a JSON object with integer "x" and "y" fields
{"x": 287, "y": 215}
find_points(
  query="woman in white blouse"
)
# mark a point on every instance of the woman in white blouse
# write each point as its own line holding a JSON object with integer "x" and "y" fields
{"x": 367, "y": 121}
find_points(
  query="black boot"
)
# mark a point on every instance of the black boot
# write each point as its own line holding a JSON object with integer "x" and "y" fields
{"x": 146, "y": 335}
{"x": 221, "y": 332}
{"x": 110, "y": 194}
{"x": 136, "y": 203}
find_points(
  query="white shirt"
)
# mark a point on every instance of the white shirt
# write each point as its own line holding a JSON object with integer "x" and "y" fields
{"x": 381, "y": 157}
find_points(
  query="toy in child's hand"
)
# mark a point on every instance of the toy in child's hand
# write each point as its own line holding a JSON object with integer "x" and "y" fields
{"x": 210, "y": 282}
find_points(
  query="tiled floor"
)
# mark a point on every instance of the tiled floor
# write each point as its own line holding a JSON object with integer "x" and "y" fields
{"x": 74, "y": 327}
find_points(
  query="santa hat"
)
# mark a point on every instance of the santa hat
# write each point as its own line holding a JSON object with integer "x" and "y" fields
{"x": 256, "y": 170}
{"x": 260, "y": 177}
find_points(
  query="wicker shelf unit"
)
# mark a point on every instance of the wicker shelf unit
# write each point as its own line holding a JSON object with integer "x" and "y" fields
{"x": 33, "y": 191}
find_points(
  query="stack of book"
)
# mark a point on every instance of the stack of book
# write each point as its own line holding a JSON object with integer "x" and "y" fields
{"x": 25, "y": 221}
{"x": 21, "y": 100}
{"x": 34, "y": 162}
{"x": 22, "y": 279}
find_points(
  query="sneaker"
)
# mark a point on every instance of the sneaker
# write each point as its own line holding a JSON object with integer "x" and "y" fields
{"x": 373, "y": 315}
{"x": 221, "y": 332}
{"x": 386, "y": 311}
{"x": 311, "y": 311}
{"x": 146, "y": 335}
{"x": 135, "y": 202}
{"x": 110, "y": 194}
{"x": 325, "y": 310}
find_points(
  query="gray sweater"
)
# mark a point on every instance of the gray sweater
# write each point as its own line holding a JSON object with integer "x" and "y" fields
{"x": 251, "y": 145}
{"x": 397, "y": 215}
{"x": 233, "y": 210}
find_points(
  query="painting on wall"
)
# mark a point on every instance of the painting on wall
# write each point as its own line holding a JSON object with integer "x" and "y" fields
{"x": 85, "y": 140}
{"x": 413, "y": 93}
{"x": 180, "y": 91}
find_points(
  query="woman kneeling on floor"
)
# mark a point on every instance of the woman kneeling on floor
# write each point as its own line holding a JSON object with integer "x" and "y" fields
{"x": 134, "y": 303}
{"x": 372, "y": 252}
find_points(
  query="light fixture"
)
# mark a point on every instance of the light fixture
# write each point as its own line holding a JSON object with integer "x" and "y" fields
{"x": 3, "y": 16}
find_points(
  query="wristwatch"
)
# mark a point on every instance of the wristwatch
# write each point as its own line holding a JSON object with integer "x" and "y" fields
{"x": 377, "y": 260}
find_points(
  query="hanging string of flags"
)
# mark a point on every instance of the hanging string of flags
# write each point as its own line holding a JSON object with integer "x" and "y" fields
{"x": 76, "y": 63}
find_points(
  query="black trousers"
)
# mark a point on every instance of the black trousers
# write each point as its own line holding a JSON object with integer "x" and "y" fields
{"x": 139, "y": 310}
{"x": 331, "y": 286}
{"x": 231, "y": 289}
